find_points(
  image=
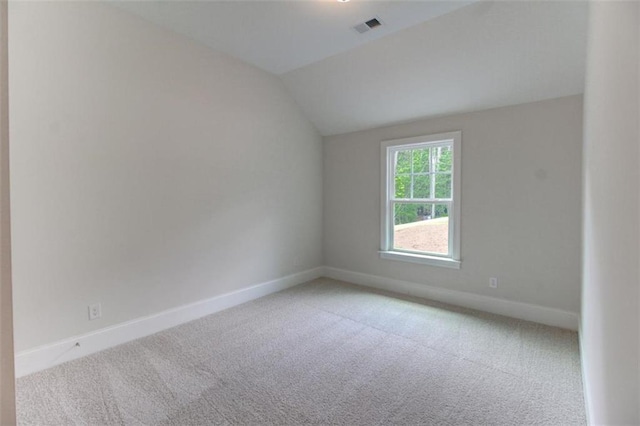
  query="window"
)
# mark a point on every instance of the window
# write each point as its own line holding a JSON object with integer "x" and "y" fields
{"x": 421, "y": 199}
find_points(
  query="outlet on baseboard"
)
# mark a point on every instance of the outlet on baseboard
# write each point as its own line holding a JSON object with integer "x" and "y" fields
{"x": 95, "y": 311}
{"x": 493, "y": 282}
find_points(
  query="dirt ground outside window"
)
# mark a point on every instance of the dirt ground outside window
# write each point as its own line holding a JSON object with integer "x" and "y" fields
{"x": 427, "y": 235}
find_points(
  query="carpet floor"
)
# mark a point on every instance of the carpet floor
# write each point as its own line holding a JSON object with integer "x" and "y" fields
{"x": 324, "y": 352}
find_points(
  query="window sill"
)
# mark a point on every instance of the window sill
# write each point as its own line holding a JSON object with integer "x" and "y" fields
{"x": 421, "y": 258}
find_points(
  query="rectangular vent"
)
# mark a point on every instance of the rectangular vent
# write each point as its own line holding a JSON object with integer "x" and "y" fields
{"x": 372, "y": 23}
{"x": 368, "y": 25}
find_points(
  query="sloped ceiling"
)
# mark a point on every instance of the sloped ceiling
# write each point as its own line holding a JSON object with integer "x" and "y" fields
{"x": 428, "y": 59}
{"x": 279, "y": 36}
{"x": 482, "y": 56}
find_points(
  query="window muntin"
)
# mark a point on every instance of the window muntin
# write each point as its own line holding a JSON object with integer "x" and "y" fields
{"x": 420, "y": 211}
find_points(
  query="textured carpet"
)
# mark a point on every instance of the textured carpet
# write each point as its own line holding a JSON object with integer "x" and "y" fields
{"x": 322, "y": 353}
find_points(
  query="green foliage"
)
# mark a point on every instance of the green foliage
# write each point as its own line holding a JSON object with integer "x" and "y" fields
{"x": 421, "y": 160}
{"x": 408, "y": 213}
{"x": 403, "y": 186}
{"x": 409, "y": 166}
{"x": 403, "y": 162}
{"x": 405, "y": 213}
{"x": 443, "y": 180}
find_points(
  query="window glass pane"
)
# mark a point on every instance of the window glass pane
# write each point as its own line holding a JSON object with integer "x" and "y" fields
{"x": 403, "y": 162}
{"x": 421, "y": 227}
{"x": 403, "y": 186}
{"x": 421, "y": 161}
{"x": 422, "y": 186}
{"x": 443, "y": 158}
{"x": 443, "y": 185}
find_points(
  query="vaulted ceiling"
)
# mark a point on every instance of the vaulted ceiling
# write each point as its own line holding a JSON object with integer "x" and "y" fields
{"x": 428, "y": 58}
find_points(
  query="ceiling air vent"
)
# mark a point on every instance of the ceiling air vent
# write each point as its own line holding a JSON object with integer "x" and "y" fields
{"x": 368, "y": 25}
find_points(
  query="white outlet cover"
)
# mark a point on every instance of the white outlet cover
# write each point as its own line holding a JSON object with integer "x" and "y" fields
{"x": 493, "y": 282}
{"x": 95, "y": 311}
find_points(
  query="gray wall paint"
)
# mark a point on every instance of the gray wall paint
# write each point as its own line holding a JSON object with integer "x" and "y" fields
{"x": 610, "y": 321}
{"x": 521, "y": 203}
{"x": 7, "y": 378}
{"x": 147, "y": 171}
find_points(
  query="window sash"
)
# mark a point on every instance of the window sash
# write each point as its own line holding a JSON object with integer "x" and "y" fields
{"x": 392, "y": 220}
{"x": 393, "y": 153}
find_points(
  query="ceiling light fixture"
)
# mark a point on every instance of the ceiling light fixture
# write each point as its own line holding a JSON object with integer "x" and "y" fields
{"x": 342, "y": 1}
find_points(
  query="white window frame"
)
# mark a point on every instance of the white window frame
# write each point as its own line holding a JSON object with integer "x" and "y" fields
{"x": 387, "y": 152}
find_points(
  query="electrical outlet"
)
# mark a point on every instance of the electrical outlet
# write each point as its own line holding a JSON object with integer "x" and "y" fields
{"x": 95, "y": 311}
{"x": 493, "y": 282}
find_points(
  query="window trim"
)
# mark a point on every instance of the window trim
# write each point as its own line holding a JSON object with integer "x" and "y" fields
{"x": 386, "y": 214}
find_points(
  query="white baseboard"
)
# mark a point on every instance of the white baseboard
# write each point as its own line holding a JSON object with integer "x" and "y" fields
{"x": 47, "y": 356}
{"x": 43, "y": 357}
{"x": 525, "y": 311}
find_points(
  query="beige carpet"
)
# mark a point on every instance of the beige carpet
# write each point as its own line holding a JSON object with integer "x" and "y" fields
{"x": 322, "y": 353}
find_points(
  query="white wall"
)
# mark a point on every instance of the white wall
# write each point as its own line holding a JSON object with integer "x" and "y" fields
{"x": 147, "y": 171}
{"x": 521, "y": 203}
{"x": 7, "y": 378}
{"x": 610, "y": 321}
